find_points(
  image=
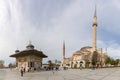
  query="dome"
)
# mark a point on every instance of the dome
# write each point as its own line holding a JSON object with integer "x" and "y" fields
{"x": 86, "y": 48}
{"x": 17, "y": 51}
{"x": 30, "y": 46}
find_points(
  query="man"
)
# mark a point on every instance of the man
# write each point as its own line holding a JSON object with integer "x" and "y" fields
{"x": 22, "y": 72}
{"x": 81, "y": 65}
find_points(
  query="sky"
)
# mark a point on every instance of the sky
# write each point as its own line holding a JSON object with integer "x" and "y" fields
{"x": 48, "y": 22}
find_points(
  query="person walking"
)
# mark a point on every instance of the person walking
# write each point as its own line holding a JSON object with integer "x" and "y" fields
{"x": 81, "y": 65}
{"x": 22, "y": 72}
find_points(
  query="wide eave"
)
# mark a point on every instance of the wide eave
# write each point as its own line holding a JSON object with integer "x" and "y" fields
{"x": 29, "y": 52}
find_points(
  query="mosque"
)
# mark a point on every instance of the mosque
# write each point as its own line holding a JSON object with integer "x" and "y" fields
{"x": 29, "y": 59}
{"x": 85, "y": 55}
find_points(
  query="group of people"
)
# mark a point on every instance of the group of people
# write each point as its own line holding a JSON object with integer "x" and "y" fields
{"x": 51, "y": 68}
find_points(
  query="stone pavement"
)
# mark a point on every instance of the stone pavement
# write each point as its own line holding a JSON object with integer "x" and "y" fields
{"x": 71, "y": 74}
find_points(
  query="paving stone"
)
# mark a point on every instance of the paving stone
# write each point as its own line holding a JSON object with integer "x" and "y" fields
{"x": 71, "y": 74}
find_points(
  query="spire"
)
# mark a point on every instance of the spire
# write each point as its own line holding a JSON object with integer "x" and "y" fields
{"x": 94, "y": 31}
{"x": 95, "y": 18}
{"x": 63, "y": 54}
{"x": 95, "y": 12}
{"x": 30, "y": 46}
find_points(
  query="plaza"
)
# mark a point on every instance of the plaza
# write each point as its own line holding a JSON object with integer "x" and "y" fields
{"x": 70, "y": 74}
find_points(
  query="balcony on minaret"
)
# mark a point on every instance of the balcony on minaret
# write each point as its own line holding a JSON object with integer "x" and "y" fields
{"x": 95, "y": 21}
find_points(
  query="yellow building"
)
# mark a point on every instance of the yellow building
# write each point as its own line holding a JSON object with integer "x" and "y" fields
{"x": 29, "y": 59}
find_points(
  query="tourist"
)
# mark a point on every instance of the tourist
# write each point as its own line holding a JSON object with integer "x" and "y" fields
{"x": 56, "y": 68}
{"x": 22, "y": 71}
{"x": 81, "y": 62}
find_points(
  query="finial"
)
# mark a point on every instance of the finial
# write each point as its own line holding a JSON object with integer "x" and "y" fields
{"x": 30, "y": 41}
{"x": 95, "y": 12}
{"x": 17, "y": 51}
{"x": 95, "y": 18}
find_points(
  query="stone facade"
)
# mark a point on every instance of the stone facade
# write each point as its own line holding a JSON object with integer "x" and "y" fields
{"x": 85, "y": 56}
{"x": 29, "y": 59}
{"x": 88, "y": 55}
{"x": 28, "y": 62}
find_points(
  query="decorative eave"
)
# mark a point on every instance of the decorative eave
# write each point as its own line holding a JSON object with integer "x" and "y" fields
{"x": 29, "y": 52}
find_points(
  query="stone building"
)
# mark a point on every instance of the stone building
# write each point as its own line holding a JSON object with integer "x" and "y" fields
{"x": 1, "y": 63}
{"x": 85, "y": 55}
{"x": 29, "y": 59}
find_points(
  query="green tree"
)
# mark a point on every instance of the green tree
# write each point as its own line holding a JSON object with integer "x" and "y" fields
{"x": 112, "y": 62}
{"x": 117, "y": 62}
{"x": 108, "y": 60}
{"x": 50, "y": 64}
{"x": 95, "y": 58}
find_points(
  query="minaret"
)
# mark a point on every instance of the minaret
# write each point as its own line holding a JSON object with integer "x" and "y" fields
{"x": 106, "y": 51}
{"x": 63, "y": 50}
{"x": 94, "y": 31}
{"x": 63, "y": 54}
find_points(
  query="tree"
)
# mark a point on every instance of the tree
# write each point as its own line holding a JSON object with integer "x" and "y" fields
{"x": 112, "y": 62}
{"x": 116, "y": 62}
{"x": 108, "y": 60}
{"x": 50, "y": 64}
{"x": 10, "y": 65}
{"x": 95, "y": 58}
